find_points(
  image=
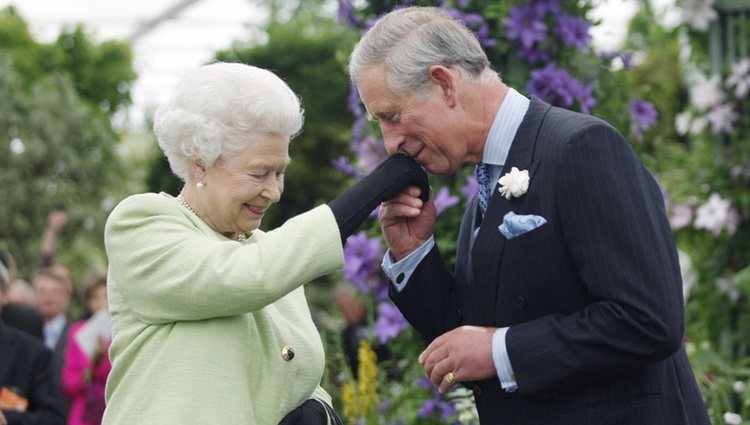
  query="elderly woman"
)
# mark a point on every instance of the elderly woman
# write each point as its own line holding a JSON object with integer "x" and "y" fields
{"x": 209, "y": 318}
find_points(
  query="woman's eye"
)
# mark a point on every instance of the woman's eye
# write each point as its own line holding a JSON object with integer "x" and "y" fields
{"x": 258, "y": 176}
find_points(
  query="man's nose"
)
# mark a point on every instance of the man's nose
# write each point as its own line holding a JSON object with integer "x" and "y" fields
{"x": 391, "y": 139}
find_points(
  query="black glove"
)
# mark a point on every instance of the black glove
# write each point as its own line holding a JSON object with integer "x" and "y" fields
{"x": 390, "y": 178}
{"x": 311, "y": 412}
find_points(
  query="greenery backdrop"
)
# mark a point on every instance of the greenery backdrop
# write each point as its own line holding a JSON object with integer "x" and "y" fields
{"x": 688, "y": 121}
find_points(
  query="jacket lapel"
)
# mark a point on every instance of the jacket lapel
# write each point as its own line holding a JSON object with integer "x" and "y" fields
{"x": 489, "y": 244}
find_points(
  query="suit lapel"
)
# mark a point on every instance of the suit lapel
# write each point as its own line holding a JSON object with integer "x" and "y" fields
{"x": 488, "y": 247}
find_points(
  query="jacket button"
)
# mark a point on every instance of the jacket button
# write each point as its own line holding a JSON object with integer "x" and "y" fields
{"x": 521, "y": 302}
{"x": 287, "y": 353}
{"x": 400, "y": 278}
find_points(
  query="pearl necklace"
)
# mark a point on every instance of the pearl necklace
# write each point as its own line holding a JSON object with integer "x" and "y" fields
{"x": 241, "y": 237}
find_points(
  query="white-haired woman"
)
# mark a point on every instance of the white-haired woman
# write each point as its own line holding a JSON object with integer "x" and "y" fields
{"x": 209, "y": 318}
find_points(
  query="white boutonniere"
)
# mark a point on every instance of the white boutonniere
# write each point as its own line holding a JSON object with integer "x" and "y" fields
{"x": 515, "y": 183}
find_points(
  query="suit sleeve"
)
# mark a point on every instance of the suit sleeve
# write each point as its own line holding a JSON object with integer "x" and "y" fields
{"x": 428, "y": 301}
{"x": 612, "y": 217}
{"x": 45, "y": 403}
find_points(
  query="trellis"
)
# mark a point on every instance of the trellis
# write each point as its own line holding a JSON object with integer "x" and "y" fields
{"x": 729, "y": 42}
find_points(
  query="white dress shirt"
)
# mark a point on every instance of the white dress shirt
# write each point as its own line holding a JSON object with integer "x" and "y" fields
{"x": 496, "y": 148}
{"x": 52, "y": 331}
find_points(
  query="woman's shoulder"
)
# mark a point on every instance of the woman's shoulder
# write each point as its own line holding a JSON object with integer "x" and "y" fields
{"x": 143, "y": 205}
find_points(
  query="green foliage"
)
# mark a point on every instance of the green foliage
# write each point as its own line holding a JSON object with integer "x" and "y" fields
{"x": 57, "y": 147}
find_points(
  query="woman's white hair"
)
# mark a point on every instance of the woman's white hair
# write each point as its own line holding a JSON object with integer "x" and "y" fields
{"x": 219, "y": 109}
{"x": 409, "y": 41}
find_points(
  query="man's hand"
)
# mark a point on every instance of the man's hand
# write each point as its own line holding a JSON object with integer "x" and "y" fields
{"x": 464, "y": 351}
{"x": 407, "y": 222}
{"x": 56, "y": 220}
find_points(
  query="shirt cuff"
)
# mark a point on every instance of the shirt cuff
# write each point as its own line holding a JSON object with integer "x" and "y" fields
{"x": 502, "y": 361}
{"x": 400, "y": 272}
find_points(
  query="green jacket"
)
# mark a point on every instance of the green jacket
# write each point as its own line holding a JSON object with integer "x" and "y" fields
{"x": 199, "y": 322}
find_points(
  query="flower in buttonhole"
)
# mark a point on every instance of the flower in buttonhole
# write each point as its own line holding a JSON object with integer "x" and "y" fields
{"x": 444, "y": 200}
{"x": 698, "y": 14}
{"x": 514, "y": 183}
{"x": 390, "y": 322}
{"x": 362, "y": 257}
{"x": 739, "y": 78}
{"x": 643, "y": 115}
{"x": 731, "y": 418}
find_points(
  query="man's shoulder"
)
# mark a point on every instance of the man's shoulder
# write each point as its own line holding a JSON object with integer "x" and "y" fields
{"x": 22, "y": 342}
{"x": 24, "y": 318}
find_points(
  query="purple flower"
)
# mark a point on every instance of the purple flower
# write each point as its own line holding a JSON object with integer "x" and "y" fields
{"x": 469, "y": 189}
{"x": 627, "y": 60}
{"x": 390, "y": 322}
{"x": 436, "y": 405}
{"x": 371, "y": 152}
{"x": 524, "y": 24}
{"x": 353, "y": 102}
{"x": 543, "y": 6}
{"x": 643, "y": 116}
{"x": 342, "y": 163}
{"x": 346, "y": 14}
{"x": 559, "y": 88}
{"x": 574, "y": 31}
{"x": 533, "y": 54}
{"x": 476, "y": 23}
{"x": 362, "y": 257}
{"x": 444, "y": 200}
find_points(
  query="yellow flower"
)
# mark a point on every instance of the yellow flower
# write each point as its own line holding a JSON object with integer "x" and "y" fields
{"x": 360, "y": 396}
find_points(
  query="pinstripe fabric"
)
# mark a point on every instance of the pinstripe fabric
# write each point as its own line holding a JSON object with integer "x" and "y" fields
{"x": 593, "y": 297}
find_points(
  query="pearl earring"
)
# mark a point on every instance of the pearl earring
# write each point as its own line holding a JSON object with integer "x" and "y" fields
{"x": 200, "y": 184}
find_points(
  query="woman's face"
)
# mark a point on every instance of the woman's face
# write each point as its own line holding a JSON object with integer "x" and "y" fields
{"x": 238, "y": 190}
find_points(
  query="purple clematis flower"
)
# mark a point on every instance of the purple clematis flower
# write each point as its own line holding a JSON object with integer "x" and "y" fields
{"x": 574, "y": 31}
{"x": 390, "y": 322}
{"x": 362, "y": 257}
{"x": 643, "y": 116}
{"x": 444, "y": 200}
{"x": 524, "y": 24}
{"x": 469, "y": 189}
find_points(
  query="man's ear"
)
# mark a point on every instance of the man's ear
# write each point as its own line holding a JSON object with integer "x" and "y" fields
{"x": 445, "y": 80}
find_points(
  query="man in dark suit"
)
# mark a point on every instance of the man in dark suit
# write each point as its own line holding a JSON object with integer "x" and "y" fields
{"x": 565, "y": 306}
{"x": 27, "y": 393}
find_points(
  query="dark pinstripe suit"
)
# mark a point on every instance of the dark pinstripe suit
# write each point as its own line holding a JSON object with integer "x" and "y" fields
{"x": 593, "y": 298}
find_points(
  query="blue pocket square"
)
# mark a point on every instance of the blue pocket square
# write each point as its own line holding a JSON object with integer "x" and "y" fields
{"x": 516, "y": 225}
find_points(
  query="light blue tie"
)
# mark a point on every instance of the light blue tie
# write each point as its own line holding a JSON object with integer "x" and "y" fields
{"x": 485, "y": 187}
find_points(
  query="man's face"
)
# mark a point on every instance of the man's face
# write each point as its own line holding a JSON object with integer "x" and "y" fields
{"x": 426, "y": 129}
{"x": 52, "y": 296}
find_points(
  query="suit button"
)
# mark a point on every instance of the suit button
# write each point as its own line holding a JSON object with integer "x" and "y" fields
{"x": 521, "y": 302}
{"x": 287, "y": 353}
{"x": 400, "y": 278}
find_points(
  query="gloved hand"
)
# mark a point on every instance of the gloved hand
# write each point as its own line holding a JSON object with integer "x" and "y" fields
{"x": 311, "y": 412}
{"x": 388, "y": 179}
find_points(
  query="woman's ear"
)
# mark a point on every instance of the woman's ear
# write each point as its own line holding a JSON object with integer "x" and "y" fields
{"x": 199, "y": 169}
{"x": 445, "y": 80}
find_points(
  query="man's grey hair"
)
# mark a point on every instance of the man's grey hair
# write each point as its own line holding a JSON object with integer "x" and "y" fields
{"x": 409, "y": 41}
{"x": 219, "y": 109}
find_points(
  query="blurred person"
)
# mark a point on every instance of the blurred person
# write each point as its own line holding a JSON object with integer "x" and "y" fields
{"x": 86, "y": 364}
{"x": 21, "y": 293}
{"x": 27, "y": 393}
{"x": 56, "y": 220}
{"x": 210, "y": 323}
{"x": 53, "y": 290}
{"x": 566, "y": 303}
{"x": 17, "y": 315}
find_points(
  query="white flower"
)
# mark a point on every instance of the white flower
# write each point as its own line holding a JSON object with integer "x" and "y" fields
{"x": 721, "y": 118}
{"x": 738, "y": 386}
{"x": 698, "y": 13}
{"x": 688, "y": 274}
{"x": 682, "y": 122}
{"x": 731, "y": 418}
{"x": 714, "y": 215}
{"x": 740, "y": 78}
{"x": 705, "y": 92}
{"x": 682, "y": 215}
{"x": 515, "y": 183}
